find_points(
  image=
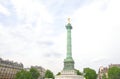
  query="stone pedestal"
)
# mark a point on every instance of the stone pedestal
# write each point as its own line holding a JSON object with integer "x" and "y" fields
{"x": 69, "y": 77}
{"x": 69, "y": 74}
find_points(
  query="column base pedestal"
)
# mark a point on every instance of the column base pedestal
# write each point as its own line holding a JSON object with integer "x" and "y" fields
{"x": 69, "y": 74}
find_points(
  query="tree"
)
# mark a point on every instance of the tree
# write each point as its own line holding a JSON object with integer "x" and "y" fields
{"x": 58, "y": 73}
{"x": 114, "y": 73}
{"x": 104, "y": 76}
{"x": 49, "y": 74}
{"x": 23, "y": 74}
{"x": 34, "y": 73}
{"x": 90, "y": 73}
{"x": 78, "y": 72}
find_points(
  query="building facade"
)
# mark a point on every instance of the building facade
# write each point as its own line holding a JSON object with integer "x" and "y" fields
{"x": 8, "y": 69}
{"x": 104, "y": 70}
{"x": 114, "y": 65}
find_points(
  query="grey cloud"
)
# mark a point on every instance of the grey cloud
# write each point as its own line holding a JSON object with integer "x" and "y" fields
{"x": 52, "y": 54}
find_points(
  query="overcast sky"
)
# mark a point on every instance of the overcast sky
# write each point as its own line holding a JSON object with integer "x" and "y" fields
{"x": 33, "y": 32}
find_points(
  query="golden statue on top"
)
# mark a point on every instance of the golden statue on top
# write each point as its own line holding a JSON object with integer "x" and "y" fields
{"x": 68, "y": 20}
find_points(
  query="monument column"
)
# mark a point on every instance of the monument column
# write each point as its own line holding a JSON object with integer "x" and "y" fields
{"x": 69, "y": 62}
{"x": 69, "y": 71}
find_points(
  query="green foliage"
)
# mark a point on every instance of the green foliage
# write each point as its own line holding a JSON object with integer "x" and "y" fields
{"x": 90, "y": 73}
{"x": 104, "y": 76}
{"x": 34, "y": 73}
{"x": 23, "y": 74}
{"x": 114, "y": 73}
{"x": 58, "y": 73}
{"x": 78, "y": 72}
{"x": 49, "y": 74}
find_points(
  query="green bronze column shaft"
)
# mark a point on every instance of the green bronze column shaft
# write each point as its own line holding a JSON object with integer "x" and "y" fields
{"x": 68, "y": 61}
{"x": 69, "y": 48}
